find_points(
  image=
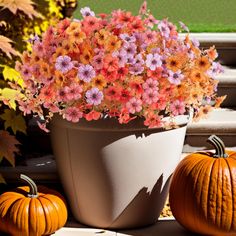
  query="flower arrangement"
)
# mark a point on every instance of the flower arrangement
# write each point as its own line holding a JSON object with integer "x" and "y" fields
{"x": 117, "y": 65}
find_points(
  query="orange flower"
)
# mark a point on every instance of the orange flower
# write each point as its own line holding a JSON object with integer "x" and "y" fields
{"x": 99, "y": 82}
{"x": 59, "y": 52}
{"x": 87, "y": 53}
{"x": 176, "y": 62}
{"x": 202, "y": 112}
{"x": 101, "y": 36}
{"x": 112, "y": 44}
{"x": 45, "y": 69}
{"x": 203, "y": 63}
{"x": 110, "y": 63}
{"x": 74, "y": 26}
{"x": 212, "y": 53}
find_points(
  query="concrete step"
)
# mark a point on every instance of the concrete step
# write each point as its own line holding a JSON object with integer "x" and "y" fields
{"x": 227, "y": 86}
{"x": 224, "y": 42}
{"x": 221, "y": 122}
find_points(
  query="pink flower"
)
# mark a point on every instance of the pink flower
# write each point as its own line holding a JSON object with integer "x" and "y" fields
{"x": 183, "y": 26}
{"x": 153, "y": 61}
{"x": 43, "y": 127}
{"x": 73, "y": 92}
{"x": 143, "y": 8}
{"x": 86, "y": 12}
{"x": 86, "y": 73}
{"x": 153, "y": 121}
{"x": 175, "y": 77}
{"x": 150, "y": 96}
{"x": 150, "y": 84}
{"x": 164, "y": 29}
{"x": 134, "y": 105}
{"x": 93, "y": 115}
{"x": 98, "y": 62}
{"x": 127, "y": 38}
{"x": 177, "y": 107}
{"x": 94, "y": 96}
{"x": 72, "y": 114}
{"x": 63, "y": 64}
{"x": 51, "y": 106}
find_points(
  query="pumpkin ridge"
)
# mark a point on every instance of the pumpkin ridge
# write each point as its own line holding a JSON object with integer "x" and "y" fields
{"x": 219, "y": 193}
{"x": 206, "y": 182}
{"x": 47, "y": 223}
{"x": 55, "y": 209}
{"x": 209, "y": 185}
{"x": 232, "y": 189}
{"x": 7, "y": 210}
{"x": 60, "y": 207}
{"x": 197, "y": 167}
{"x": 48, "y": 218}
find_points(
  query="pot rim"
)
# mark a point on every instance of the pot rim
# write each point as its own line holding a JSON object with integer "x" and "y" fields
{"x": 112, "y": 124}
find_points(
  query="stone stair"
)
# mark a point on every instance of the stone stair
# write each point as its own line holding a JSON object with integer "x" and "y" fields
{"x": 222, "y": 121}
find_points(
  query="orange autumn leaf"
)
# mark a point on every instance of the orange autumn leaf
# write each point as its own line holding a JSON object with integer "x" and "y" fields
{"x": 8, "y": 146}
{"x": 6, "y": 47}
{"x": 22, "y": 5}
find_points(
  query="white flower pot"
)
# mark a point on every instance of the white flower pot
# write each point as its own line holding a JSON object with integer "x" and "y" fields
{"x": 116, "y": 176}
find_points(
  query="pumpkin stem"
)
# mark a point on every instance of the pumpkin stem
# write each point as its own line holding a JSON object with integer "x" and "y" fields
{"x": 33, "y": 193}
{"x": 218, "y": 145}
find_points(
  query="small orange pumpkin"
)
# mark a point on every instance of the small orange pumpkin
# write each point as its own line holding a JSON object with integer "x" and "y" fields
{"x": 28, "y": 212}
{"x": 203, "y": 191}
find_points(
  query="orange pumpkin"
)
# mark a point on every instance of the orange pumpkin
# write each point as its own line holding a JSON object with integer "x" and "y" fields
{"x": 203, "y": 191}
{"x": 28, "y": 212}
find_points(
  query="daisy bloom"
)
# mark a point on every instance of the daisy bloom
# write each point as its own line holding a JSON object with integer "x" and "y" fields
{"x": 63, "y": 64}
{"x": 134, "y": 105}
{"x": 153, "y": 61}
{"x": 94, "y": 96}
{"x": 86, "y": 73}
{"x": 72, "y": 114}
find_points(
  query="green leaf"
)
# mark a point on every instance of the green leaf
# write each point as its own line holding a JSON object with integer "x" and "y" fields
{"x": 14, "y": 121}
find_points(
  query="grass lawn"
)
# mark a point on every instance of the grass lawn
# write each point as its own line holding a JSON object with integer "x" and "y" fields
{"x": 198, "y": 15}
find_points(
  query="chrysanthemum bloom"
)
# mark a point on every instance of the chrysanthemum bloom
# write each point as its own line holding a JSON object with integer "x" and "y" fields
{"x": 86, "y": 73}
{"x": 175, "y": 77}
{"x": 153, "y": 61}
{"x": 72, "y": 114}
{"x": 177, "y": 107}
{"x": 64, "y": 64}
{"x": 134, "y": 105}
{"x": 94, "y": 96}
